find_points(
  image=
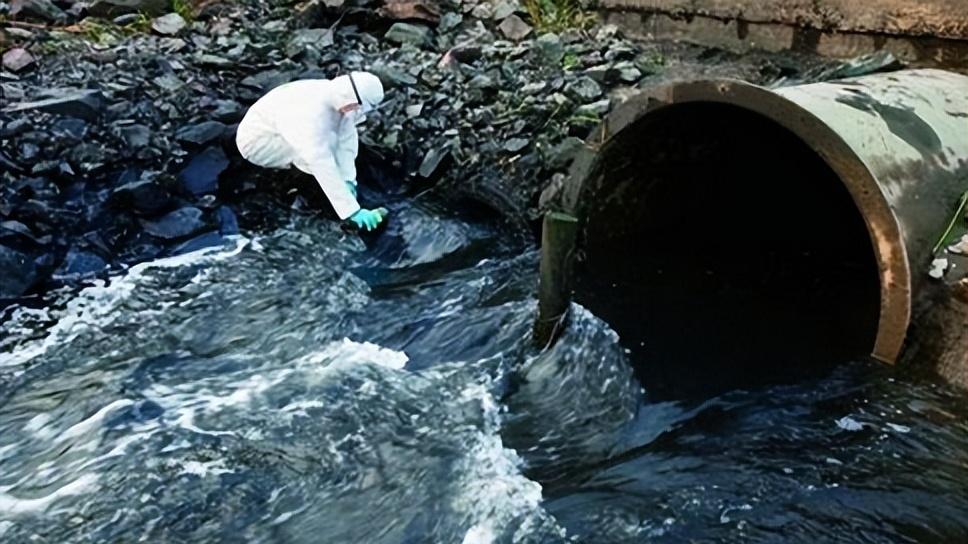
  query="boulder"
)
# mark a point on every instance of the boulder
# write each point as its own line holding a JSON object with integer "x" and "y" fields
{"x": 84, "y": 104}
{"x": 201, "y": 174}
{"x": 19, "y": 273}
{"x": 180, "y": 223}
{"x": 583, "y": 89}
{"x": 514, "y": 28}
{"x": 548, "y": 49}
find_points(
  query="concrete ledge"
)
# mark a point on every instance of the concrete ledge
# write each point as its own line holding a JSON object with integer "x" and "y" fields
{"x": 743, "y": 25}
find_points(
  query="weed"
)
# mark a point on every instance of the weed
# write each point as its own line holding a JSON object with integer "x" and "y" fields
{"x": 570, "y": 61}
{"x": 184, "y": 8}
{"x": 558, "y": 15}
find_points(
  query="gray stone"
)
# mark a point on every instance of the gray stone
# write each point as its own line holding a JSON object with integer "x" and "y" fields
{"x": 309, "y": 39}
{"x": 17, "y": 59}
{"x": 393, "y": 77}
{"x": 449, "y": 21}
{"x": 205, "y": 59}
{"x": 168, "y": 82}
{"x": 628, "y": 72}
{"x": 228, "y": 223}
{"x": 227, "y": 111}
{"x": 548, "y": 49}
{"x": 180, "y": 223}
{"x": 583, "y": 89}
{"x": 406, "y": 33}
{"x": 168, "y": 25}
{"x": 432, "y": 160}
{"x": 83, "y": 104}
{"x": 514, "y": 28}
{"x": 201, "y": 133}
{"x": 565, "y": 152}
{"x": 126, "y": 19}
{"x": 19, "y": 273}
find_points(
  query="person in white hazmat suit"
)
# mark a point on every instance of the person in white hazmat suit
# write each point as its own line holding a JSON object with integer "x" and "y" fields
{"x": 311, "y": 124}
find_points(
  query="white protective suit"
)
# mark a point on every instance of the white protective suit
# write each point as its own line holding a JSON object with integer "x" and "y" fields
{"x": 299, "y": 124}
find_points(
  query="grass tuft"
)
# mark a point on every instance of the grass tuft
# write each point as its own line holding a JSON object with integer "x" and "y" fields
{"x": 558, "y": 15}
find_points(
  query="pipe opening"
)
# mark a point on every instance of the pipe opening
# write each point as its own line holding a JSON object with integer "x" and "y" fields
{"x": 725, "y": 253}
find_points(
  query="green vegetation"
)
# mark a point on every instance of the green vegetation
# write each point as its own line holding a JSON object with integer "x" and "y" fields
{"x": 558, "y": 15}
{"x": 184, "y": 8}
{"x": 570, "y": 61}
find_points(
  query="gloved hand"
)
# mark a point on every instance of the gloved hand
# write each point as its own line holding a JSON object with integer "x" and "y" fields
{"x": 368, "y": 219}
{"x": 351, "y": 185}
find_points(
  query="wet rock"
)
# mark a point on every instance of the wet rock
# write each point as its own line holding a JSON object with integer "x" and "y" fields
{"x": 450, "y": 21}
{"x": 201, "y": 174}
{"x": 583, "y": 89}
{"x": 628, "y": 72}
{"x": 41, "y": 9}
{"x": 202, "y": 241}
{"x": 309, "y": 40}
{"x": 168, "y": 82}
{"x": 228, "y": 223}
{"x": 393, "y": 77}
{"x": 548, "y": 49}
{"x": 201, "y": 133}
{"x": 432, "y": 160}
{"x": 595, "y": 109}
{"x": 565, "y": 152}
{"x": 113, "y": 8}
{"x": 168, "y": 25}
{"x": 135, "y": 136}
{"x": 17, "y": 59}
{"x": 180, "y": 223}
{"x": 514, "y": 28}
{"x": 83, "y": 104}
{"x": 406, "y": 33}
{"x": 19, "y": 273}
{"x": 79, "y": 264}
{"x": 227, "y": 111}
{"x": 144, "y": 196}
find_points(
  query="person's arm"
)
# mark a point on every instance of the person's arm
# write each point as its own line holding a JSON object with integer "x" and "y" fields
{"x": 314, "y": 145}
{"x": 347, "y": 147}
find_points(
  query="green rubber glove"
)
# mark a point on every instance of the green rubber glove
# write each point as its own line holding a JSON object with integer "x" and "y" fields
{"x": 368, "y": 219}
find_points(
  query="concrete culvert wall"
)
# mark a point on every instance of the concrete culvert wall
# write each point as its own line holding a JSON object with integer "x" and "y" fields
{"x": 736, "y": 235}
{"x": 720, "y": 243}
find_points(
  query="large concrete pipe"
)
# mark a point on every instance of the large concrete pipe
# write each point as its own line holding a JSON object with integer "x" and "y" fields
{"x": 746, "y": 231}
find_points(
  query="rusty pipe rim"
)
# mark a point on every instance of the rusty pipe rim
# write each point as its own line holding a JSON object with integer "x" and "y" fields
{"x": 882, "y": 225}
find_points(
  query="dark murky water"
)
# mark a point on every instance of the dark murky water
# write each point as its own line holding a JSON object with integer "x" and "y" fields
{"x": 300, "y": 387}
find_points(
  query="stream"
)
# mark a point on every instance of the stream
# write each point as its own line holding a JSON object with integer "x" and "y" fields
{"x": 312, "y": 385}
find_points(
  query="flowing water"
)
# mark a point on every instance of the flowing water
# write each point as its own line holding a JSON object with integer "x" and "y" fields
{"x": 305, "y": 386}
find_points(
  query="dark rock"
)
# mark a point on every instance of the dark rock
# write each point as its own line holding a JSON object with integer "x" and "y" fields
{"x": 113, "y": 8}
{"x": 143, "y": 196}
{"x": 393, "y": 77}
{"x": 19, "y": 273}
{"x": 201, "y": 174}
{"x": 227, "y": 222}
{"x": 514, "y": 28}
{"x": 406, "y": 33}
{"x": 265, "y": 81}
{"x": 136, "y": 136}
{"x": 449, "y": 21}
{"x": 41, "y": 9}
{"x": 70, "y": 128}
{"x": 14, "y": 128}
{"x": 17, "y": 59}
{"x": 168, "y": 82}
{"x": 202, "y": 241}
{"x": 168, "y": 25}
{"x": 180, "y": 223}
{"x": 595, "y": 109}
{"x": 83, "y": 104}
{"x": 628, "y": 72}
{"x": 565, "y": 152}
{"x": 79, "y": 264}
{"x": 309, "y": 40}
{"x": 201, "y": 133}
{"x": 205, "y": 59}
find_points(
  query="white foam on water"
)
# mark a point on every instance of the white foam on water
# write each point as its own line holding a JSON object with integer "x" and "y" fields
{"x": 86, "y": 427}
{"x": 200, "y": 469}
{"x": 11, "y": 506}
{"x": 95, "y": 306}
{"x": 347, "y": 352}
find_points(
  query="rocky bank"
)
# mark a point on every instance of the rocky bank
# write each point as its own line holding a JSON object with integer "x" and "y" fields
{"x": 118, "y": 116}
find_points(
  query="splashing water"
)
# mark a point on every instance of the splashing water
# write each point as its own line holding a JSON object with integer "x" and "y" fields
{"x": 296, "y": 388}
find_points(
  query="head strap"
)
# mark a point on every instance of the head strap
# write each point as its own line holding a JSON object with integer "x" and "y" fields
{"x": 357, "y": 93}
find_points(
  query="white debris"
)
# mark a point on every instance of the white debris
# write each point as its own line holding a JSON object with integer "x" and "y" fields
{"x": 938, "y": 268}
{"x": 848, "y": 423}
{"x": 899, "y": 428}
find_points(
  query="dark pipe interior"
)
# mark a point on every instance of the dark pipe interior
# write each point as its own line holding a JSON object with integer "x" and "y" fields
{"x": 725, "y": 253}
